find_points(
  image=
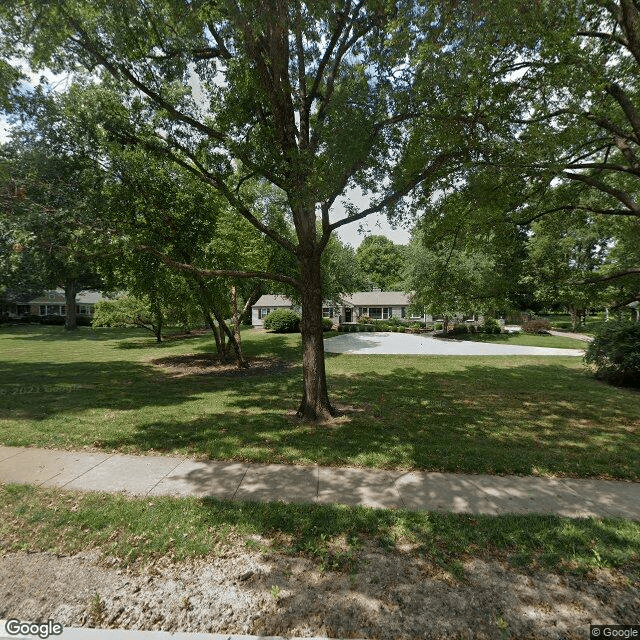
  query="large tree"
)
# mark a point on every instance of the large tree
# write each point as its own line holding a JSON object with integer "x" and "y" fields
{"x": 382, "y": 262}
{"x": 312, "y": 97}
{"x": 571, "y": 140}
{"x": 48, "y": 203}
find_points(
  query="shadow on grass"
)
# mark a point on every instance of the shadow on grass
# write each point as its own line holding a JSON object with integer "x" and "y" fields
{"x": 36, "y": 391}
{"x": 365, "y": 572}
{"x": 530, "y": 419}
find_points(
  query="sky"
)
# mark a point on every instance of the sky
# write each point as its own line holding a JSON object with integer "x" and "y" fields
{"x": 375, "y": 224}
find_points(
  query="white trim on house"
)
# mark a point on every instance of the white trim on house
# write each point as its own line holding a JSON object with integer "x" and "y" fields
{"x": 378, "y": 305}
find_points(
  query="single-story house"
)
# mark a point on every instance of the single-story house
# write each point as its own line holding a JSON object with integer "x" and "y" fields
{"x": 53, "y": 303}
{"x": 378, "y": 305}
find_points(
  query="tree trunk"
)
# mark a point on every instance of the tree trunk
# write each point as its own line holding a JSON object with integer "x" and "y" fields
{"x": 159, "y": 319}
{"x": 224, "y": 330}
{"x": 315, "y": 403}
{"x": 70, "y": 291}
{"x": 574, "y": 318}
{"x": 236, "y": 317}
{"x": 204, "y": 305}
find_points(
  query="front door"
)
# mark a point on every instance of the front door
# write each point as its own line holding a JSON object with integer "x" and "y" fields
{"x": 347, "y": 314}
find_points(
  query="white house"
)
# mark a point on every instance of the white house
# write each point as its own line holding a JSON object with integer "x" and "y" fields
{"x": 377, "y": 305}
{"x": 53, "y": 303}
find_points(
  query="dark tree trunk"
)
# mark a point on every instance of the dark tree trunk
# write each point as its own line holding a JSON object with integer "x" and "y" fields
{"x": 224, "y": 330}
{"x": 204, "y": 305}
{"x": 236, "y": 317}
{"x": 70, "y": 291}
{"x": 254, "y": 296}
{"x": 159, "y": 319}
{"x": 315, "y": 403}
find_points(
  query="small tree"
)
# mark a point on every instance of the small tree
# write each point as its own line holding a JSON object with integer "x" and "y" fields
{"x": 615, "y": 353}
{"x": 129, "y": 311}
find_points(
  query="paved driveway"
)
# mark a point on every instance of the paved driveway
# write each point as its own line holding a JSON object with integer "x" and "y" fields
{"x": 413, "y": 344}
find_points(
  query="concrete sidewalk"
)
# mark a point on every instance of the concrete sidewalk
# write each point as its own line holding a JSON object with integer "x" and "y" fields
{"x": 457, "y": 493}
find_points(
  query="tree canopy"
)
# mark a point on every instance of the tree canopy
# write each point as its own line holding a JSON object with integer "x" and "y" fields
{"x": 314, "y": 98}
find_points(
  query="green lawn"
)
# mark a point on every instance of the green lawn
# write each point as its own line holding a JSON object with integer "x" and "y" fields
{"x": 130, "y": 529}
{"x": 524, "y": 339}
{"x": 524, "y": 415}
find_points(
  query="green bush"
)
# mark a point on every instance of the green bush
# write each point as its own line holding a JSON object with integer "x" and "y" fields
{"x": 52, "y": 320}
{"x": 537, "y": 325}
{"x": 364, "y": 320}
{"x": 491, "y": 325}
{"x": 437, "y": 326}
{"x": 327, "y": 324}
{"x": 615, "y": 353}
{"x": 282, "y": 321}
{"x": 459, "y": 328}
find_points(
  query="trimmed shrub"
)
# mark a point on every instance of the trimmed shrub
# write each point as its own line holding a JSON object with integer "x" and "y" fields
{"x": 282, "y": 321}
{"x": 364, "y": 320}
{"x": 327, "y": 324}
{"x": 615, "y": 353}
{"x": 563, "y": 325}
{"x": 491, "y": 325}
{"x": 52, "y": 320}
{"x": 537, "y": 325}
{"x": 458, "y": 329}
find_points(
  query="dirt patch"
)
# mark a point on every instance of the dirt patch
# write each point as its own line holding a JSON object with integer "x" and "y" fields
{"x": 391, "y": 596}
{"x": 199, "y": 364}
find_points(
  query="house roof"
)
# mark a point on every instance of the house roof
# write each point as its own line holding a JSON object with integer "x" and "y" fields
{"x": 273, "y": 301}
{"x": 57, "y": 297}
{"x": 378, "y": 299}
{"x": 357, "y": 299}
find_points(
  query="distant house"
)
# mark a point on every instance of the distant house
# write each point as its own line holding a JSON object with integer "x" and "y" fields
{"x": 377, "y": 305}
{"x": 53, "y": 303}
{"x": 268, "y": 303}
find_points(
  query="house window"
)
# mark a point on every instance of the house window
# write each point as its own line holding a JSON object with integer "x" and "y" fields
{"x": 263, "y": 312}
{"x": 403, "y": 312}
{"x": 63, "y": 310}
{"x": 375, "y": 313}
{"x": 43, "y": 309}
{"x": 327, "y": 312}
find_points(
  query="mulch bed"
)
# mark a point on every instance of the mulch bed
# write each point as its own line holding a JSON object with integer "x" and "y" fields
{"x": 198, "y": 364}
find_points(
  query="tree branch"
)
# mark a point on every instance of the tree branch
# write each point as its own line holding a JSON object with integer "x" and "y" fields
{"x": 618, "y": 194}
{"x": 393, "y": 197}
{"x": 181, "y": 266}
